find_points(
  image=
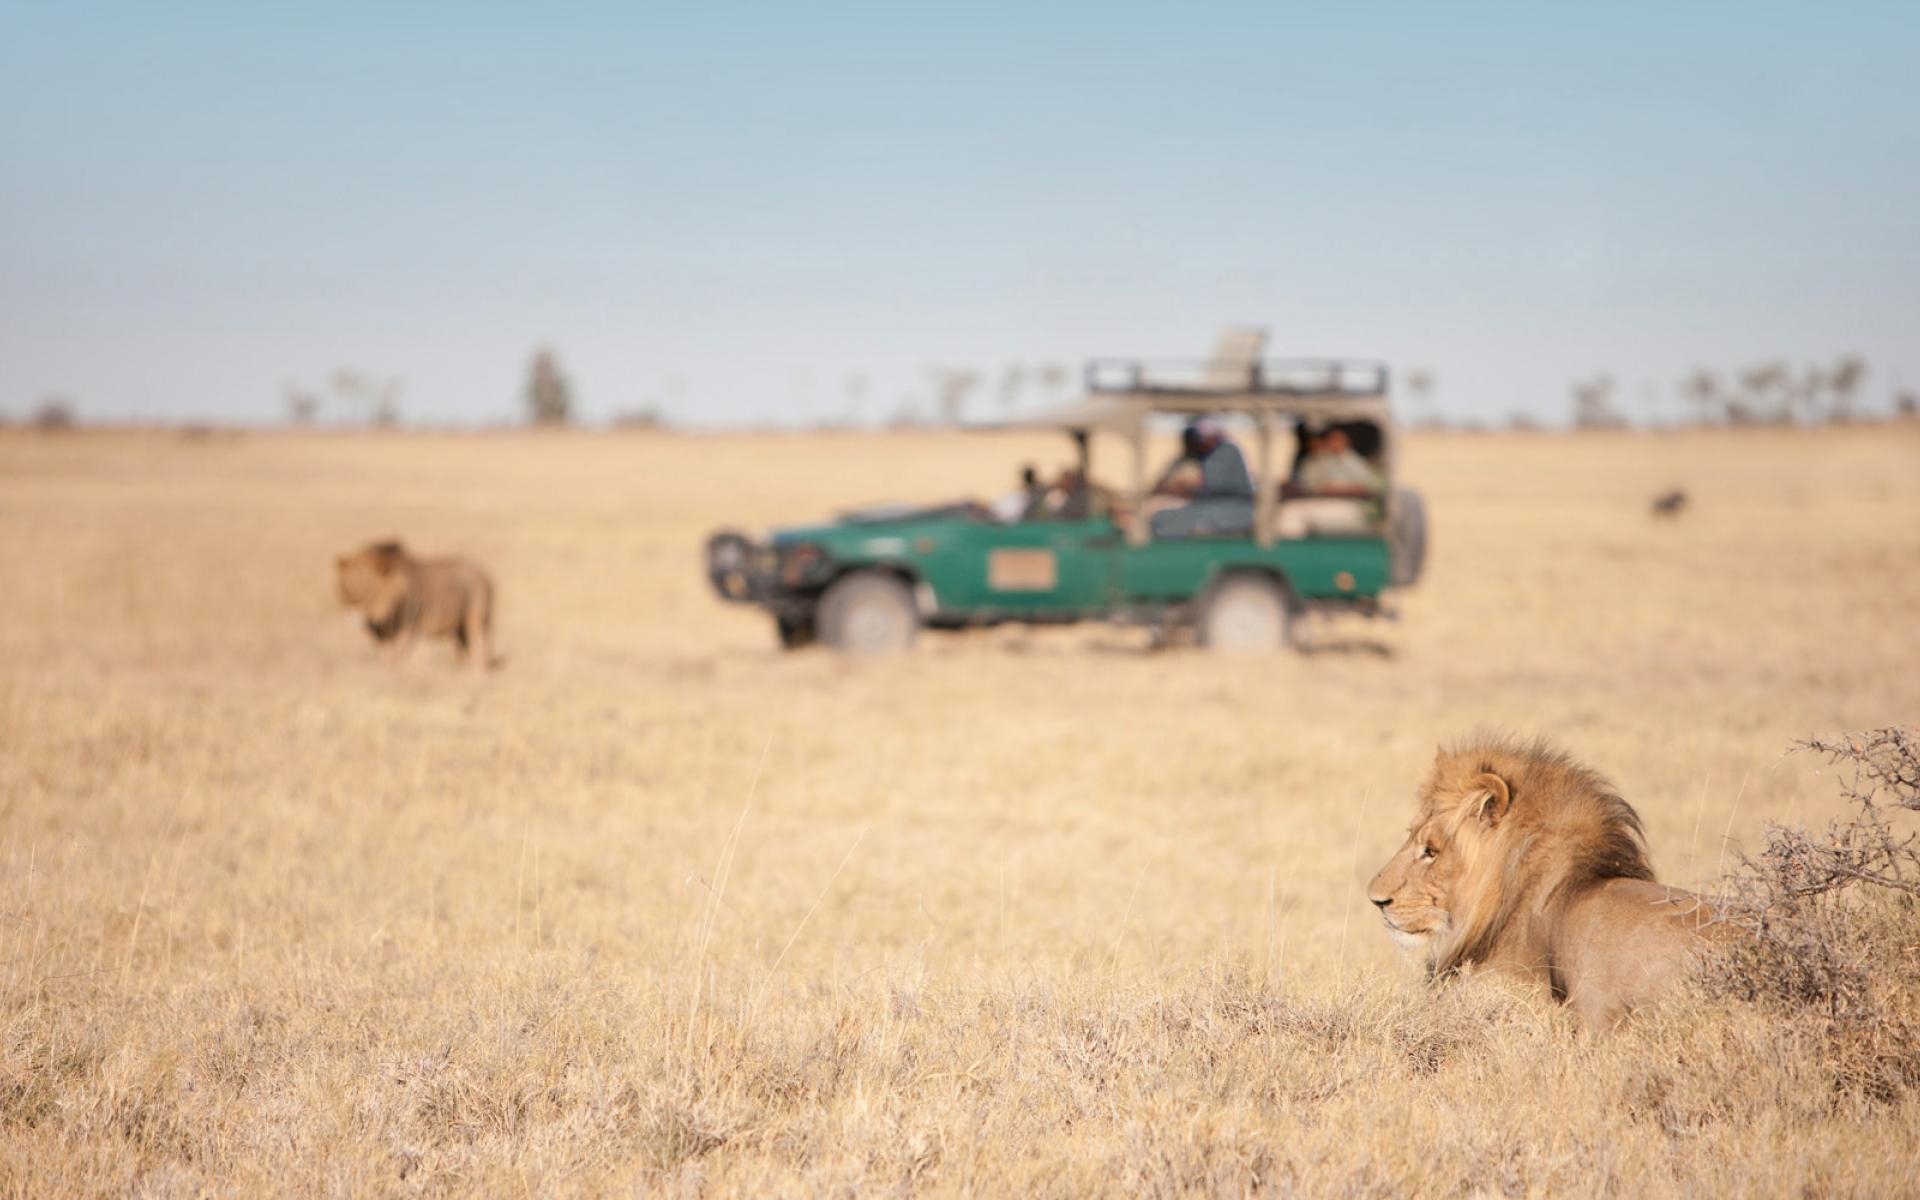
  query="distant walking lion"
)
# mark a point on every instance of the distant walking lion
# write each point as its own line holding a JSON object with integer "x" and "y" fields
{"x": 404, "y": 598}
{"x": 1523, "y": 862}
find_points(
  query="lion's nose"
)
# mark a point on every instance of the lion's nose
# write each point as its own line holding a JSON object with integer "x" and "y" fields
{"x": 1381, "y": 901}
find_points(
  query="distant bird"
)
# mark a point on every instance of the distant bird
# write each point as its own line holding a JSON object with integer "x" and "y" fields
{"x": 1670, "y": 503}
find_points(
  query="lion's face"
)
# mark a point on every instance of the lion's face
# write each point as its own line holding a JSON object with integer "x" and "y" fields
{"x": 1415, "y": 890}
{"x": 1423, "y": 888}
{"x": 370, "y": 580}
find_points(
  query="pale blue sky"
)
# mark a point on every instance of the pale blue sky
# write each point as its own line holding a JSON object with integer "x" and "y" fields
{"x": 200, "y": 203}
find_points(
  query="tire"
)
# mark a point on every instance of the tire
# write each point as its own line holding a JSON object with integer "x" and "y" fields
{"x": 1244, "y": 614}
{"x": 795, "y": 633}
{"x": 1408, "y": 538}
{"x": 868, "y": 613}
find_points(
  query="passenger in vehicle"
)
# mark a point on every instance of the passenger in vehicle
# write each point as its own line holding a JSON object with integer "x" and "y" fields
{"x": 1211, "y": 474}
{"x": 1334, "y": 491}
{"x": 1033, "y": 493}
{"x": 1022, "y": 505}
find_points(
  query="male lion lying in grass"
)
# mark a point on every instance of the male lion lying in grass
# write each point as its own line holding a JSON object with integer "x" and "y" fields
{"x": 403, "y": 598}
{"x": 1526, "y": 863}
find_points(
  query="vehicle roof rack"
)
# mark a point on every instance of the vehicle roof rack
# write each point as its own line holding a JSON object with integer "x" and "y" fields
{"x": 1171, "y": 381}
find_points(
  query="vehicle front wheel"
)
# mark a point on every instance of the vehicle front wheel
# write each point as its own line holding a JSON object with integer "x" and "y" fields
{"x": 1244, "y": 613}
{"x": 868, "y": 613}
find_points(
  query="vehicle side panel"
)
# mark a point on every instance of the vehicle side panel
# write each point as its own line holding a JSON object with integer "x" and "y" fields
{"x": 1048, "y": 568}
{"x": 1085, "y": 568}
{"x": 1174, "y": 570}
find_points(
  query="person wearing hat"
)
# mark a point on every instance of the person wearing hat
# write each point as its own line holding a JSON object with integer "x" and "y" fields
{"x": 1211, "y": 475}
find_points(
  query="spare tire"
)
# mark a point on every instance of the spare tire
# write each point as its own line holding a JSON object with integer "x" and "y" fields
{"x": 1407, "y": 539}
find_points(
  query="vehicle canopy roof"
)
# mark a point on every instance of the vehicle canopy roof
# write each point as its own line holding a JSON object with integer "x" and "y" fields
{"x": 1123, "y": 394}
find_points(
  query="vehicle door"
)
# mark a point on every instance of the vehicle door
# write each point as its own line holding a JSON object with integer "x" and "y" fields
{"x": 1041, "y": 568}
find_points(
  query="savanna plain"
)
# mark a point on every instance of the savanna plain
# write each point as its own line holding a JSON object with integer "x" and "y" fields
{"x": 656, "y": 908}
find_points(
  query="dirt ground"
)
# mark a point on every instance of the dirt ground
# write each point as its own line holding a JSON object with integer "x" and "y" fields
{"x": 659, "y": 908}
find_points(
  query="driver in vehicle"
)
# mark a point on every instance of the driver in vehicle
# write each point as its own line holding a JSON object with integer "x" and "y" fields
{"x": 1211, "y": 475}
{"x": 1075, "y": 497}
{"x": 1335, "y": 491}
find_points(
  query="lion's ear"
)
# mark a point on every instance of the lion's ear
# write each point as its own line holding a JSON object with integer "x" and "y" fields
{"x": 1495, "y": 797}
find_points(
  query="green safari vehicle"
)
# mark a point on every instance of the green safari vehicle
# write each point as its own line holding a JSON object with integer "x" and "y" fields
{"x": 871, "y": 580}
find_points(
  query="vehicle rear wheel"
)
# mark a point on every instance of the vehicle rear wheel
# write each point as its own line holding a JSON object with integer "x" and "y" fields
{"x": 1244, "y": 613}
{"x": 868, "y": 613}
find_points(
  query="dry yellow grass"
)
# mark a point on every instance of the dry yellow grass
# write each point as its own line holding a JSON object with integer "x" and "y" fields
{"x": 659, "y": 908}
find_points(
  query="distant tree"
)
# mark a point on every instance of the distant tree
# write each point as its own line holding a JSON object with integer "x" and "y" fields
{"x": 1593, "y": 406}
{"x": 1767, "y": 394}
{"x": 384, "y": 408}
{"x": 303, "y": 406}
{"x": 644, "y": 419}
{"x": 1843, "y": 387}
{"x": 951, "y": 387}
{"x": 549, "y": 395}
{"x": 1013, "y": 381}
{"x": 1906, "y": 405}
{"x": 1522, "y": 422}
{"x": 1419, "y": 383}
{"x": 1701, "y": 388}
{"x": 54, "y": 414}
{"x": 351, "y": 388}
{"x": 1805, "y": 398}
{"x": 374, "y": 398}
{"x": 1052, "y": 378}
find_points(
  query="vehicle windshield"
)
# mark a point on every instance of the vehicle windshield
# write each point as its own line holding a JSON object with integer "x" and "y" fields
{"x": 1065, "y": 494}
